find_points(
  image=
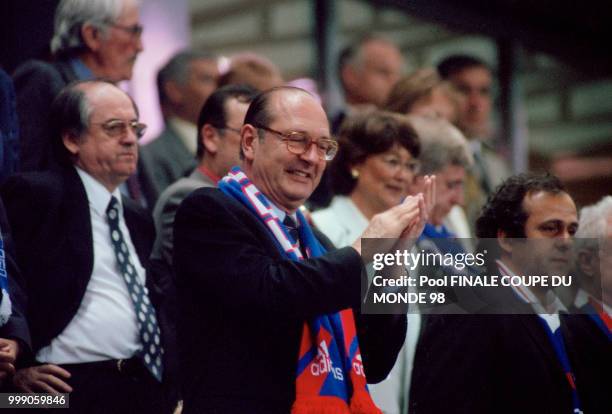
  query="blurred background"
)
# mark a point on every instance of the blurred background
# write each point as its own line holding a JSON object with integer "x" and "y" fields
{"x": 553, "y": 94}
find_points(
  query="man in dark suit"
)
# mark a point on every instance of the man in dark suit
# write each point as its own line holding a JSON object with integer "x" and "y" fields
{"x": 505, "y": 360}
{"x": 591, "y": 341}
{"x": 95, "y": 317}
{"x": 184, "y": 84}
{"x": 256, "y": 295}
{"x": 91, "y": 40}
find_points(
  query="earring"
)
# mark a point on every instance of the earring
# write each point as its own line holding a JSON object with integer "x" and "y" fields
{"x": 354, "y": 173}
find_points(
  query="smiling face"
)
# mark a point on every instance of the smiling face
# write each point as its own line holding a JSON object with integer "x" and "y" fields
{"x": 384, "y": 179}
{"x": 285, "y": 178}
{"x": 109, "y": 159}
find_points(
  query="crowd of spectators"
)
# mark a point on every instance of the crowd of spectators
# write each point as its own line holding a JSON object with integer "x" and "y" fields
{"x": 219, "y": 268}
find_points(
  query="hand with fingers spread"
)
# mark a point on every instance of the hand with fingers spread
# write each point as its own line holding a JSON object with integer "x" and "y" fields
{"x": 9, "y": 349}
{"x": 43, "y": 378}
{"x": 392, "y": 223}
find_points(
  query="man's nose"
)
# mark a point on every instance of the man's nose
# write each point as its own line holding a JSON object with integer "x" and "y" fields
{"x": 311, "y": 154}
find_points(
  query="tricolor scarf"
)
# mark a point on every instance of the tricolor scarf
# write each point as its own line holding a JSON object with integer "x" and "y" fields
{"x": 598, "y": 314}
{"x": 330, "y": 378}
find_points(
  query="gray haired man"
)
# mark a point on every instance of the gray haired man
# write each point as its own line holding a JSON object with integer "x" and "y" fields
{"x": 92, "y": 39}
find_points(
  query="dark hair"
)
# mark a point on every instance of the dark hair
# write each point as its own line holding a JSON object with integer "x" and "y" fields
{"x": 456, "y": 63}
{"x": 504, "y": 208}
{"x": 214, "y": 110}
{"x": 70, "y": 112}
{"x": 177, "y": 70}
{"x": 259, "y": 113}
{"x": 365, "y": 134}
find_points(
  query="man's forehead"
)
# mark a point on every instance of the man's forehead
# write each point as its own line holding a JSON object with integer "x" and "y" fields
{"x": 298, "y": 109}
{"x": 235, "y": 108}
{"x": 544, "y": 206}
{"x": 472, "y": 75}
{"x": 106, "y": 100}
{"x": 204, "y": 64}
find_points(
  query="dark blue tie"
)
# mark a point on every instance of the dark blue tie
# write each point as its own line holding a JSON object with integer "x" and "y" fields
{"x": 150, "y": 337}
{"x": 292, "y": 228}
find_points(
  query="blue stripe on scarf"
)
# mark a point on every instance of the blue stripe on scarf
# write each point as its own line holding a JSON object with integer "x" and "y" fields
{"x": 332, "y": 323}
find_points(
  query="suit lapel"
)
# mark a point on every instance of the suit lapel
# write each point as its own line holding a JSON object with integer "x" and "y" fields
{"x": 77, "y": 224}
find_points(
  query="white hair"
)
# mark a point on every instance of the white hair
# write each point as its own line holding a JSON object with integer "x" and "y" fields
{"x": 71, "y": 15}
{"x": 594, "y": 219}
{"x": 442, "y": 144}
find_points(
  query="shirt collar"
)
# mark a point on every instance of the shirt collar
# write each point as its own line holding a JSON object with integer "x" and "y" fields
{"x": 553, "y": 303}
{"x": 281, "y": 214}
{"x": 187, "y": 132}
{"x": 97, "y": 195}
{"x": 581, "y": 299}
{"x": 81, "y": 70}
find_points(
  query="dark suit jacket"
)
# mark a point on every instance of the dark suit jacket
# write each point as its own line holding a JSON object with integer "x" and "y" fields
{"x": 590, "y": 352}
{"x": 243, "y": 307}
{"x": 37, "y": 83}
{"x": 162, "y": 162}
{"x": 49, "y": 216}
{"x": 488, "y": 363}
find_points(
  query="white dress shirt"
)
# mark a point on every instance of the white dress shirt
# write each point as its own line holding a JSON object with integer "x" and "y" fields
{"x": 341, "y": 222}
{"x": 104, "y": 327}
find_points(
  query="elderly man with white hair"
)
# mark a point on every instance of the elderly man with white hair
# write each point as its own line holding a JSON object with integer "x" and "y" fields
{"x": 591, "y": 334}
{"x": 92, "y": 39}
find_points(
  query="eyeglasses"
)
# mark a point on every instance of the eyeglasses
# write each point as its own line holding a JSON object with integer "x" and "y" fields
{"x": 117, "y": 128}
{"x": 236, "y": 130}
{"x": 134, "y": 30}
{"x": 412, "y": 166}
{"x": 299, "y": 142}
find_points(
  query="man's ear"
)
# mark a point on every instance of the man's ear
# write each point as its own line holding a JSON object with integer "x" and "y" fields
{"x": 249, "y": 141}
{"x": 71, "y": 141}
{"x": 586, "y": 262}
{"x": 92, "y": 36}
{"x": 210, "y": 139}
{"x": 504, "y": 241}
{"x": 173, "y": 92}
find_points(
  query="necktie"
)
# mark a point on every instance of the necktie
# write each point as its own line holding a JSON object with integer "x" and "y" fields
{"x": 147, "y": 322}
{"x": 291, "y": 227}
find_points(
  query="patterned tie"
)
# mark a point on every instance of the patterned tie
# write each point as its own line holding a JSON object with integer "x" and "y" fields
{"x": 152, "y": 351}
{"x": 291, "y": 227}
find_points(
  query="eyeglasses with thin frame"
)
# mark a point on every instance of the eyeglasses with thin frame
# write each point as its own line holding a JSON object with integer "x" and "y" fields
{"x": 134, "y": 30}
{"x": 117, "y": 128}
{"x": 299, "y": 142}
{"x": 394, "y": 162}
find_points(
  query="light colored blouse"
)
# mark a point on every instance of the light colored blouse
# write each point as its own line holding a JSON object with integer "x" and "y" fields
{"x": 341, "y": 222}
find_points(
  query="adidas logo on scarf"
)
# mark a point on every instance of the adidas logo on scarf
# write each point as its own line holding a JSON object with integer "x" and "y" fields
{"x": 330, "y": 377}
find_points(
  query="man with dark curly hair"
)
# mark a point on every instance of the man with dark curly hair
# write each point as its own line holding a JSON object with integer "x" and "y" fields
{"x": 516, "y": 357}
